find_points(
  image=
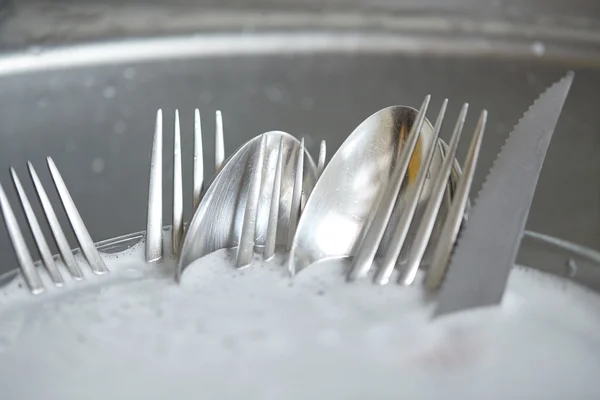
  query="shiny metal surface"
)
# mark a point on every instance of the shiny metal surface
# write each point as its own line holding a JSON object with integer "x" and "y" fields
{"x": 26, "y": 264}
{"x": 271, "y": 240}
{"x": 397, "y": 242}
{"x": 57, "y": 232}
{"x": 230, "y": 213}
{"x": 486, "y": 251}
{"x": 300, "y": 64}
{"x": 154, "y": 242}
{"x": 338, "y": 211}
{"x": 177, "y": 225}
{"x": 219, "y": 146}
{"x": 29, "y": 270}
{"x": 154, "y": 237}
{"x": 198, "y": 161}
{"x": 296, "y": 206}
{"x": 322, "y": 160}
{"x": 36, "y": 231}
{"x": 86, "y": 244}
{"x": 443, "y": 248}
{"x": 427, "y": 222}
{"x": 380, "y": 210}
{"x": 246, "y": 241}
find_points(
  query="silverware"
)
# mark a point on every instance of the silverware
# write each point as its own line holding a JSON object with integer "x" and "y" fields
{"x": 254, "y": 201}
{"x": 368, "y": 173}
{"x": 455, "y": 216}
{"x": 486, "y": 251}
{"x": 449, "y": 233}
{"x": 28, "y": 268}
{"x": 154, "y": 226}
{"x": 322, "y": 159}
{"x": 365, "y": 254}
{"x": 374, "y": 230}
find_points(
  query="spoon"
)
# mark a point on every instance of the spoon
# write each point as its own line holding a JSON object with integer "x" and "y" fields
{"x": 341, "y": 207}
{"x": 237, "y": 208}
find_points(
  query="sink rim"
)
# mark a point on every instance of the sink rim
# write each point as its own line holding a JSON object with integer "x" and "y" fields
{"x": 252, "y": 34}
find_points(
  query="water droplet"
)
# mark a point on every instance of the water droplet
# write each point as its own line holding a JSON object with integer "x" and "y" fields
{"x": 120, "y": 127}
{"x": 129, "y": 73}
{"x": 109, "y": 92}
{"x": 98, "y": 165}
{"x": 538, "y": 48}
{"x": 274, "y": 94}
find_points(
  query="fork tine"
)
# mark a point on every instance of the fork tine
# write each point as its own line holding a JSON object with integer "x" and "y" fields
{"x": 408, "y": 274}
{"x": 57, "y": 232}
{"x": 198, "y": 159}
{"x": 36, "y": 231}
{"x": 443, "y": 249}
{"x": 397, "y": 242}
{"x": 28, "y": 269}
{"x": 296, "y": 195}
{"x": 154, "y": 242}
{"x": 246, "y": 243}
{"x": 177, "y": 227}
{"x": 322, "y": 158}
{"x": 81, "y": 233}
{"x": 271, "y": 240}
{"x": 363, "y": 260}
{"x": 219, "y": 142}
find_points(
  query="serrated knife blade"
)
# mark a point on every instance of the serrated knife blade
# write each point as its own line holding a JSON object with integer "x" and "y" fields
{"x": 487, "y": 246}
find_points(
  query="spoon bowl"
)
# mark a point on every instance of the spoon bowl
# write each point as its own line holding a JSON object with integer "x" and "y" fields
{"x": 219, "y": 220}
{"x": 351, "y": 185}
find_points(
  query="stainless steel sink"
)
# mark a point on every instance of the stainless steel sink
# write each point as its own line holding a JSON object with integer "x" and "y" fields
{"x": 86, "y": 92}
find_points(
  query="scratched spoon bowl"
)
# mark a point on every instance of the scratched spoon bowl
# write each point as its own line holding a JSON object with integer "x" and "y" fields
{"x": 350, "y": 186}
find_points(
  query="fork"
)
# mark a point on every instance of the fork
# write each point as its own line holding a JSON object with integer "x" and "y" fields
{"x": 154, "y": 237}
{"x": 28, "y": 268}
{"x": 365, "y": 254}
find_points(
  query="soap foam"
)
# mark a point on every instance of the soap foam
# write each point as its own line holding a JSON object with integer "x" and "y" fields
{"x": 257, "y": 333}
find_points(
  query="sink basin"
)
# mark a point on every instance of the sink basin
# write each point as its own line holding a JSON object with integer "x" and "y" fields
{"x": 88, "y": 96}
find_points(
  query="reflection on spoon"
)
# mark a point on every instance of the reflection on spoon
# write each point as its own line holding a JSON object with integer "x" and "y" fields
{"x": 246, "y": 185}
{"x": 351, "y": 186}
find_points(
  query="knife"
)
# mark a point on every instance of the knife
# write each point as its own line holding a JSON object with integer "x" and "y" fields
{"x": 488, "y": 243}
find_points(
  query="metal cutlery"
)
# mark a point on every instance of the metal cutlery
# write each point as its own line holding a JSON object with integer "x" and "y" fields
{"x": 365, "y": 254}
{"x": 28, "y": 268}
{"x": 487, "y": 247}
{"x": 389, "y": 161}
{"x": 254, "y": 201}
{"x": 393, "y": 192}
{"x": 154, "y": 226}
